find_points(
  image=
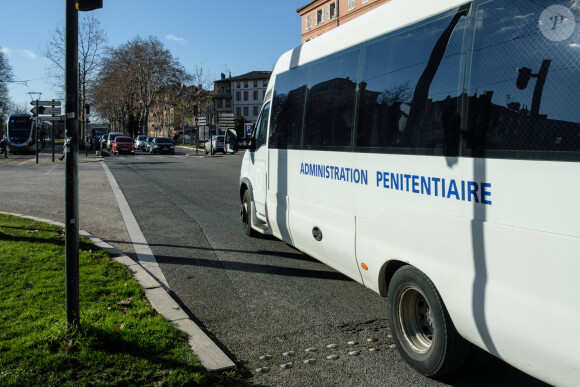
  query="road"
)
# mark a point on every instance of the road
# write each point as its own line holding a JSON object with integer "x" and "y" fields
{"x": 262, "y": 301}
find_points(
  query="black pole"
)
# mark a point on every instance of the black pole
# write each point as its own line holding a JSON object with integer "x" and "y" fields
{"x": 71, "y": 172}
{"x": 36, "y": 131}
{"x": 541, "y": 79}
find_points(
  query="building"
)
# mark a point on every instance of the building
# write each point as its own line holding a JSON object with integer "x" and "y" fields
{"x": 222, "y": 97}
{"x": 242, "y": 95}
{"x": 320, "y": 16}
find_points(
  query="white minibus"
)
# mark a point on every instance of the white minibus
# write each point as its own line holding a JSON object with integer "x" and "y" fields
{"x": 430, "y": 150}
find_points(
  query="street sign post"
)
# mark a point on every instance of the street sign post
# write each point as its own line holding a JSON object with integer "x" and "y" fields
{"x": 45, "y": 110}
{"x": 45, "y": 103}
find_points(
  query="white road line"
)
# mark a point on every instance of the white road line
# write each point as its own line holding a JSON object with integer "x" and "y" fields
{"x": 144, "y": 253}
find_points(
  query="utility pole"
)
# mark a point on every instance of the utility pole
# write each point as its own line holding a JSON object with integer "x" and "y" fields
{"x": 71, "y": 128}
{"x": 71, "y": 125}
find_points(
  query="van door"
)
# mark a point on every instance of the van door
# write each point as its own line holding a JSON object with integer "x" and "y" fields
{"x": 259, "y": 156}
{"x": 231, "y": 139}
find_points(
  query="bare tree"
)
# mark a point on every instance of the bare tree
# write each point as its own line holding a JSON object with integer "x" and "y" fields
{"x": 92, "y": 44}
{"x": 113, "y": 93}
{"x": 5, "y": 76}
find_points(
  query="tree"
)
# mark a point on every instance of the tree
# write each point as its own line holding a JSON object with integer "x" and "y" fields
{"x": 113, "y": 94}
{"x": 92, "y": 44}
{"x": 5, "y": 77}
{"x": 152, "y": 68}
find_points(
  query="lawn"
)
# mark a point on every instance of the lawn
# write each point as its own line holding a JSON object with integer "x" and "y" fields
{"x": 121, "y": 340}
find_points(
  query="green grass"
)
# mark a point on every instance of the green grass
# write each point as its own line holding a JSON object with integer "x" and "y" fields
{"x": 120, "y": 340}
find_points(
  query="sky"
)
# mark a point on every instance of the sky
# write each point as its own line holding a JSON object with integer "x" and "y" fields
{"x": 215, "y": 35}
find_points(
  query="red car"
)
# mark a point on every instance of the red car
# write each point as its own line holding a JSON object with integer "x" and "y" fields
{"x": 123, "y": 144}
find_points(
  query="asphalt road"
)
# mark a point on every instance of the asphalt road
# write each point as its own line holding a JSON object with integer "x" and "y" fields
{"x": 262, "y": 301}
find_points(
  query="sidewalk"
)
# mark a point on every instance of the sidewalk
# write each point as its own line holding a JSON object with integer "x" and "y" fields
{"x": 37, "y": 190}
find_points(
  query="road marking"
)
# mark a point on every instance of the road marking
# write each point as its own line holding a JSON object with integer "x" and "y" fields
{"x": 144, "y": 253}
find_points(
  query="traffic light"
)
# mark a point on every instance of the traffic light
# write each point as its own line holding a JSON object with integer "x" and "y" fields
{"x": 89, "y": 5}
{"x": 195, "y": 110}
{"x": 87, "y": 109}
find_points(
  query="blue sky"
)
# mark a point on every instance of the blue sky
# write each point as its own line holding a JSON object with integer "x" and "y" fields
{"x": 218, "y": 36}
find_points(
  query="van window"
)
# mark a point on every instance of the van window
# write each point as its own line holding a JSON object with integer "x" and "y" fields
{"x": 262, "y": 127}
{"x": 288, "y": 109}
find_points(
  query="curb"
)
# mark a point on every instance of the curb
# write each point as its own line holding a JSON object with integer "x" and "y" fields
{"x": 208, "y": 353}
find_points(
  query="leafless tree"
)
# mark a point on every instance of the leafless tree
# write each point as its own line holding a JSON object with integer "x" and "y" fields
{"x": 5, "y": 76}
{"x": 113, "y": 93}
{"x": 92, "y": 45}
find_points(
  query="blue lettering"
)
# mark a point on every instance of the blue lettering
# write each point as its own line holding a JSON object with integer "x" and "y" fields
{"x": 357, "y": 176}
{"x": 436, "y": 180}
{"x": 472, "y": 189}
{"x": 395, "y": 181}
{"x": 302, "y": 169}
{"x": 407, "y": 177}
{"x": 415, "y": 180}
{"x": 453, "y": 190}
{"x": 379, "y": 177}
{"x": 485, "y": 193}
{"x": 386, "y": 179}
{"x": 425, "y": 185}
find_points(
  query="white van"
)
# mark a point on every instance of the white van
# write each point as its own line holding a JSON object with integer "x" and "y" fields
{"x": 430, "y": 150}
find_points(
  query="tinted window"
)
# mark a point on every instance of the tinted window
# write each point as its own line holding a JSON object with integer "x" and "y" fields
{"x": 288, "y": 109}
{"x": 329, "y": 112}
{"x": 524, "y": 80}
{"x": 409, "y": 91}
{"x": 261, "y": 133}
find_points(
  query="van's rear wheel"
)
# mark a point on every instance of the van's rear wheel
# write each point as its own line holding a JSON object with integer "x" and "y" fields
{"x": 246, "y": 215}
{"x": 421, "y": 326}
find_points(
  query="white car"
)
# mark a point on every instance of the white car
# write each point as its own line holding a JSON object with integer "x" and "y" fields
{"x": 140, "y": 141}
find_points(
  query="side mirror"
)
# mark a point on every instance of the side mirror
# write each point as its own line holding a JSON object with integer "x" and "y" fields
{"x": 524, "y": 75}
{"x": 252, "y": 146}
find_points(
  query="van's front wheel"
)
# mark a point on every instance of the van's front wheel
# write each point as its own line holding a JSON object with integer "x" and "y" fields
{"x": 246, "y": 215}
{"x": 421, "y": 326}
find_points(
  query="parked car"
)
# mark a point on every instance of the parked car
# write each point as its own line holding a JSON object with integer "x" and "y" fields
{"x": 147, "y": 144}
{"x": 103, "y": 141}
{"x": 162, "y": 145}
{"x": 140, "y": 141}
{"x": 217, "y": 144}
{"x": 123, "y": 144}
{"x": 111, "y": 138}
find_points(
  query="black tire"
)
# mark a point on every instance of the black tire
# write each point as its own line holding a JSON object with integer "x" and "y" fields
{"x": 246, "y": 213}
{"x": 422, "y": 329}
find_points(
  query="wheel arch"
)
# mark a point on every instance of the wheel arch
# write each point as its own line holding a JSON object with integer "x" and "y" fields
{"x": 246, "y": 185}
{"x": 387, "y": 271}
